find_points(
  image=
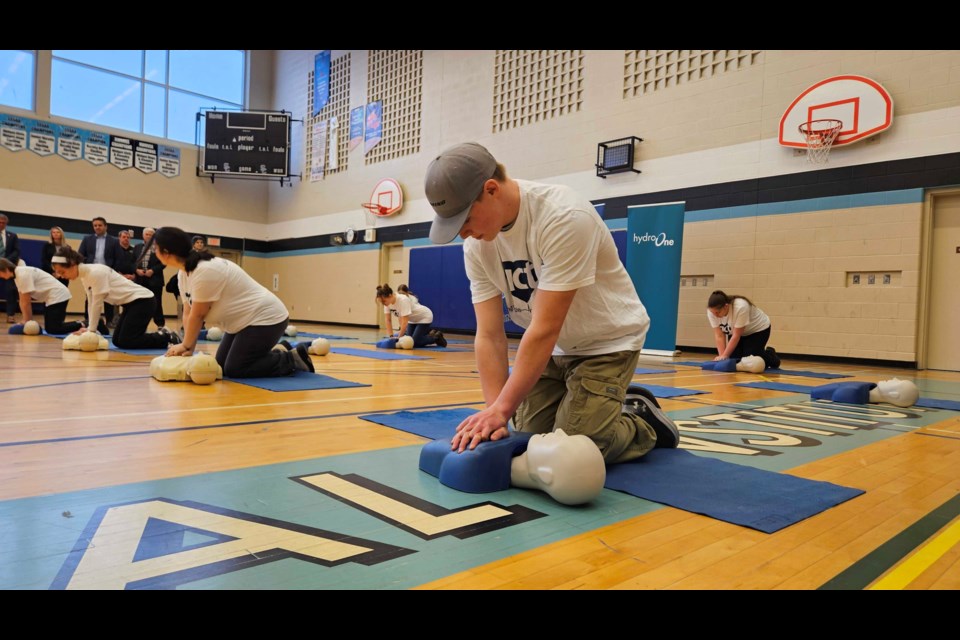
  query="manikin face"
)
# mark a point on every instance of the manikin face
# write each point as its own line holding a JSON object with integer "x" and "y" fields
{"x": 569, "y": 468}
{"x": 901, "y": 393}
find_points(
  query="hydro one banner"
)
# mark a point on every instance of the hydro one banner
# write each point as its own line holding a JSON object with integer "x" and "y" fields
{"x": 654, "y": 248}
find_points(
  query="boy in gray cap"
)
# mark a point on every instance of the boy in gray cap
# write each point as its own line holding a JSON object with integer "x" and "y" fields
{"x": 545, "y": 251}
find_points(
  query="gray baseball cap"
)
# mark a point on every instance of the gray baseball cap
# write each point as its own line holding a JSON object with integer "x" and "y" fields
{"x": 454, "y": 180}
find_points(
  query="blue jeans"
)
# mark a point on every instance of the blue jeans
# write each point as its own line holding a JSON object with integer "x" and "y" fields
{"x": 419, "y": 333}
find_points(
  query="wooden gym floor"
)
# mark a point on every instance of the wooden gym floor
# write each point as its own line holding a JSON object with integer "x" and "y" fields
{"x": 111, "y": 479}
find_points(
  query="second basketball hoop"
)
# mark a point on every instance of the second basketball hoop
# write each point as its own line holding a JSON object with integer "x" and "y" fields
{"x": 386, "y": 198}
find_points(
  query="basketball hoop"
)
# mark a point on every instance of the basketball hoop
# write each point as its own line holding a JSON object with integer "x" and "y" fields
{"x": 375, "y": 208}
{"x": 820, "y": 135}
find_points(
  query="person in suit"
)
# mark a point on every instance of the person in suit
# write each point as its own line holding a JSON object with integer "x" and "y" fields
{"x": 9, "y": 249}
{"x": 100, "y": 248}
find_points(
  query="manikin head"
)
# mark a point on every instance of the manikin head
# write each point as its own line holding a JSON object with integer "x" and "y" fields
{"x": 901, "y": 393}
{"x": 570, "y": 469}
{"x": 751, "y": 364}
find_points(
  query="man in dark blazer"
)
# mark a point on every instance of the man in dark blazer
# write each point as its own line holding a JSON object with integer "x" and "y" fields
{"x": 9, "y": 249}
{"x": 101, "y": 248}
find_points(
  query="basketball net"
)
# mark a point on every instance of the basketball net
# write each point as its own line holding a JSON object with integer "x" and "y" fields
{"x": 373, "y": 212}
{"x": 820, "y": 135}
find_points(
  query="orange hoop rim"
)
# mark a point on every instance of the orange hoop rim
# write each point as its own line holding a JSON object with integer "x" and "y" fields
{"x": 830, "y": 128}
{"x": 376, "y": 208}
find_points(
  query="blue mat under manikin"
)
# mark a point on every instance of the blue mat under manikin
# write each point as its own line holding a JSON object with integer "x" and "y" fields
{"x": 314, "y": 336}
{"x": 661, "y": 391}
{"x": 441, "y": 423}
{"x": 376, "y": 355}
{"x": 739, "y": 494}
{"x": 640, "y": 372}
{"x": 762, "y": 500}
{"x": 782, "y": 372}
{"x": 299, "y": 381}
{"x": 928, "y": 403}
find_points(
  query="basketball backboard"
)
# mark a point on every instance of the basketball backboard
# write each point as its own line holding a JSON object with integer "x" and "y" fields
{"x": 386, "y": 198}
{"x": 864, "y": 107}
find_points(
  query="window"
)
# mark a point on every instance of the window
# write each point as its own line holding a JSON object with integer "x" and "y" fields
{"x": 156, "y": 91}
{"x": 16, "y": 78}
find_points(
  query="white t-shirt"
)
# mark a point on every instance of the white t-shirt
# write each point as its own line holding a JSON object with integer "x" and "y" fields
{"x": 103, "y": 283}
{"x": 559, "y": 243}
{"x": 238, "y": 301}
{"x": 741, "y": 314}
{"x": 41, "y": 286}
{"x": 405, "y": 305}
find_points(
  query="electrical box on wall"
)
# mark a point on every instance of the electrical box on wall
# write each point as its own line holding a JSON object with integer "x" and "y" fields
{"x": 370, "y": 235}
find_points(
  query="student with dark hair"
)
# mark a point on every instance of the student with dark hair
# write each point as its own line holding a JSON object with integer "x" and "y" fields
{"x": 36, "y": 285}
{"x": 252, "y": 318}
{"x": 104, "y": 285}
{"x": 740, "y": 328}
{"x": 414, "y": 318}
{"x": 149, "y": 273}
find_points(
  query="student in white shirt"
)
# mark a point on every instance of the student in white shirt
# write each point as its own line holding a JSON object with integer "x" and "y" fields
{"x": 414, "y": 318}
{"x": 740, "y": 328}
{"x": 103, "y": 285}
{"x": 221, "y": 293}
{"x": 36, "y": 285}
{"x": 545, "y": 251}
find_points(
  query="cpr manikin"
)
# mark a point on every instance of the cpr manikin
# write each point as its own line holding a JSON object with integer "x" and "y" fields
{"x": 570, "y": 469}
{"x": 900, "y": 393}
{"x": 199, "y": 368}
{"x": 747, "y": 364}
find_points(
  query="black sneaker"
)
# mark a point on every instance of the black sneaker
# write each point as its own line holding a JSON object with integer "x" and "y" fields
{"x": 441, "y": 341}
{"x": 771, "y": 358}
{"x": 171, "y": 337}
{"x": 643, "y": 405}
{"x": 301, "y": 358}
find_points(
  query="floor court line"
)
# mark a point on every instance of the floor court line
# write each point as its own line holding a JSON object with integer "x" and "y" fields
{"x": 235, "y": 407}
{"x": 147, "y": 432}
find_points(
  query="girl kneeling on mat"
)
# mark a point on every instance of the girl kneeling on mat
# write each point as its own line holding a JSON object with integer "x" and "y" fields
{"x": 740, "y": 328}
{"x": 36, "y": 285}
{"x": 104, "y": 285}
{"x": 414, "y": 317}
{"x": 220, "y": 292}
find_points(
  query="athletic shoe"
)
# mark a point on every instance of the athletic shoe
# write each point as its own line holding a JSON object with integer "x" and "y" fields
{"x": 642, "y": 404}
{"x": 301, "y": 358}
{"x": 772, "y": 359}
{"x": 441, "y": 341}
{"x": 171, "y": 337}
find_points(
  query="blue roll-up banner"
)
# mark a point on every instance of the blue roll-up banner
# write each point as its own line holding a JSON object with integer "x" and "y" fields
{"x": 321, "y": 81}
{"x": 654, "y": 249}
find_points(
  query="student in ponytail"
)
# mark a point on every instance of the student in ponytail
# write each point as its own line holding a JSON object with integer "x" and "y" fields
{"x": 740, "y": 328}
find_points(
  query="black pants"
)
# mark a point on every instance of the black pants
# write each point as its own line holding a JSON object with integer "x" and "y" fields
{"x": 53, "y": 319}
{"x": 249, "y": 353}
{"x": 11, "y": 296}
{"x": 754, "y": 344}
{"x": 131, "y": 331}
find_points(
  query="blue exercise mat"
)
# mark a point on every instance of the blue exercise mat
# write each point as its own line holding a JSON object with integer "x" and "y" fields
{"x": 376, "y": 355}
{"x": 777, "y": 386}
{"x": 807, "y": 374}
{"x": 783, "y": 372}
{"x": 328, "y": 336}
{"x": 300, "y": 381}
{"x": 670, "y": 392}
{"x": 937, "y": 403}
{"x": 138, "y": 352}
{"x": 762, "y": 500}
{"x": 435, "y": 425}
{"x": 640, "y": 372}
